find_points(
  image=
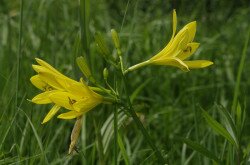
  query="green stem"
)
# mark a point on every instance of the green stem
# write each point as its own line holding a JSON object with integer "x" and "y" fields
{"x": 121, "y": 62}
{"x": 102, "y": 89}
{"x": 115, "y": 133}
{"x": 110, "y": 87}
{"x": 140, "y": 125}
{"x": 137, "y": 66}
{"x": 19, "y": 55}
{"x": 109, "y": 100}
{"x": 97, "y": 89}
{"x": 239, "y": 74}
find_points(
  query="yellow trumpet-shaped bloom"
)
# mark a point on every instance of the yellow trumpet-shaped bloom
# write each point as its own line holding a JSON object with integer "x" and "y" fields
{"x": 62, "y": 91}
{"x": 179, "y": 48}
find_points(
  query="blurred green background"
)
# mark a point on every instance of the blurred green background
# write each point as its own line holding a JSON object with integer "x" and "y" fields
{"x": 171, "y": 100}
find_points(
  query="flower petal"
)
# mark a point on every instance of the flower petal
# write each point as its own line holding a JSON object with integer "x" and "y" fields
{"x": 86, "y": 104}
{"x": 174, "y": 23}
{"x": 198, "y": 64}
{"x": 170, "y": 50}
{"x": 50, "y": 79}
{"x": 46, "y": 65}
{"x": 73, "y": 86}
{"x": 64, "y": 99}
{"x": 43, "y": 98}
{"x": 172, "y": 62}
{"x": 189, "y": 50}
{"x": 191, "y": 30}
{"x": 38, "y": 82}
{"x": 51, "y": 113}
{"x": 69, "y": 115}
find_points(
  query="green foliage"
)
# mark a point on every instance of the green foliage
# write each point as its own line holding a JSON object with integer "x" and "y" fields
{"x": 165, "y": 99}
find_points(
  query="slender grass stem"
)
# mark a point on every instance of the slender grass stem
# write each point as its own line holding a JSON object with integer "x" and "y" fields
{"x": 115, "y": 134}
{"x": 19, "y": 53}
{"x": 140, "y": 125}
{"x": 239, "y": 73}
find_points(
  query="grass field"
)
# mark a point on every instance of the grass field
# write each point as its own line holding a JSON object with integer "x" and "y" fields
{"x": 178, "y": 109}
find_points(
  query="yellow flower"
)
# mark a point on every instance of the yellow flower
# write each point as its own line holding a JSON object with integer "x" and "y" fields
{"x": 63, "y": 92}
{"x": 179, "y": 48}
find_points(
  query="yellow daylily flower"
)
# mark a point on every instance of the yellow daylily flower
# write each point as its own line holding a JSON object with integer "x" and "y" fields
{"x": 179, "y": 48}
{"x": 62, "y": 91}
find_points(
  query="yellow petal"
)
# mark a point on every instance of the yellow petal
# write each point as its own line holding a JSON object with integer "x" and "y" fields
{"x": 70, "y": 115}
{"x": 166, "y": 48}
{"x": 189, "y": 50}
{"x": 180, "y": 38}
{"x": 51, "y": 113}
{"x": 191, "y": 30}
{"x": 86, "y": 104}
{"x": 50, "y": 79}
{"x": 73, "y": 86}
{"x": 172, "y": 62}
{"x": 46, "y": 65}
{"x": 43, "y": 98}
{"x": 174, "y": 23}
{"x": 198, "y": 64}
{"x": 183, "y": 42}
{"x": 39, "y": 68}
{"x": 170, "y": 50}
{"x": 37, "y": 82}
{"x": 64, "y": 99}
{"x": 78, "y": 88}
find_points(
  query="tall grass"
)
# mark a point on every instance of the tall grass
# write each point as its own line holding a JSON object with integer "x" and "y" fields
{"x": 170, "y": 103}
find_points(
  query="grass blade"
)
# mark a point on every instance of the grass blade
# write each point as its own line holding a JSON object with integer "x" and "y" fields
{"x": 123, "y": 150}
{"x": 240, "y": 70}
{"x": 229, "y": 123}
{"x": 84, "y": 24}
{"x": 218, "y": 128}
{"x": 39, "y": 141}
{"x": 199, "y": 148}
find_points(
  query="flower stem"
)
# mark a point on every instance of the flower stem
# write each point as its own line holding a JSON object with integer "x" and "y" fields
{"x": 109, "y": 100}
{"x": 140, "y": 125}
{"x": 134, "y": 67}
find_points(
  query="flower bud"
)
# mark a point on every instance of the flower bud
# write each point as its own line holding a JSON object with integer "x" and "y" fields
{"x": 82, "y": 64}
{"x": 105, "y": 73}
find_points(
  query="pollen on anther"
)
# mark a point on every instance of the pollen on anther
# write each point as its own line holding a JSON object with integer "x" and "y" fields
{"x": 71, "y": 101}
{"x": 188, "y": 49}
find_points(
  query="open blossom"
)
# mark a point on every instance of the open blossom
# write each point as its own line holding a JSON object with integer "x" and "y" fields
{"x": 62, "y": 91}
{"x": 179, "y": 48}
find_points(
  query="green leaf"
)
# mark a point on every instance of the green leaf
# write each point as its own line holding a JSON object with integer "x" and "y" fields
{"x": 107, "y": 130}
{"x": 199, "y": 148}
{"x": 123, "y": 150}
{"x": 239, "y": 73}
{"x": 138, "y": 90}
{"x": 218, "y": 128}
{"x": 229, "y": 123}
{"x": 84, "y": 24}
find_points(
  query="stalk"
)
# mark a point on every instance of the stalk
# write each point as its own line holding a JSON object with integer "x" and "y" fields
{"x": 115, "y": 134}
{"x": 137, "y": 66}
{"x": 140, "y": 125}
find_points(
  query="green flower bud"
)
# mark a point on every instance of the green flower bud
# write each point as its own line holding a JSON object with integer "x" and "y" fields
{"x": 105, "y": 73}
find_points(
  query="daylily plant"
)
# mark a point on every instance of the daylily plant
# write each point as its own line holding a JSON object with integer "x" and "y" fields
{"x": 62, "y": 91}
{"x": 179, "y": 48}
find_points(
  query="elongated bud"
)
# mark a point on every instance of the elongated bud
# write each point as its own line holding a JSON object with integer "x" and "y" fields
{"x": 82, "y": 64}
{"x": 75, "y": 135}
{"x": 116, "y": 41}
{"x": 105, "y": 73}
{"x": 115, "y": 38}
{"x": 103, "y": 48}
